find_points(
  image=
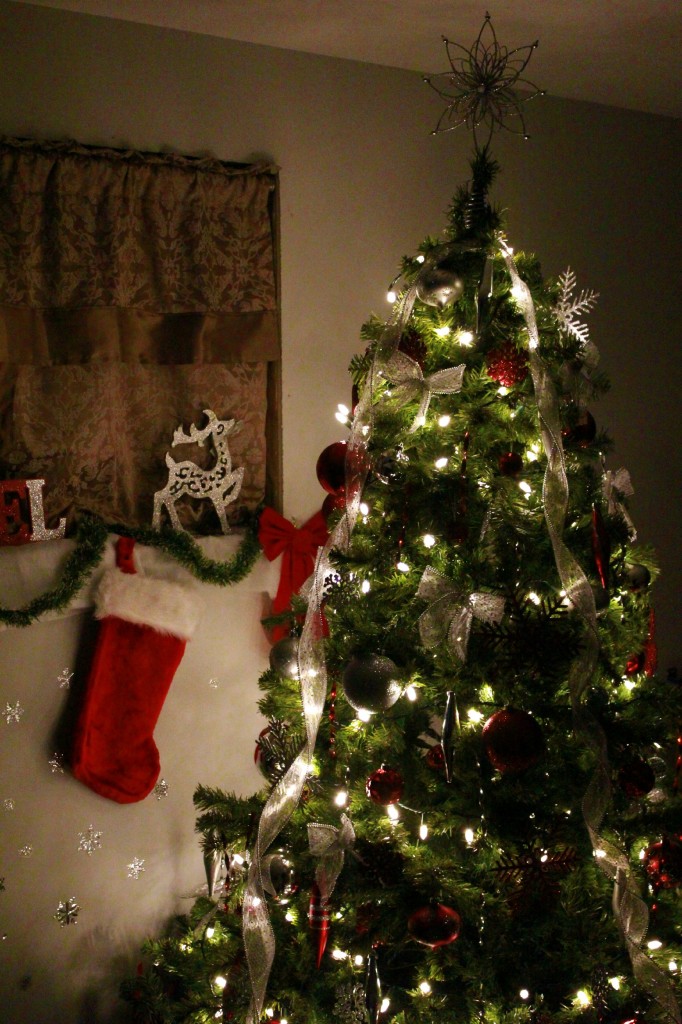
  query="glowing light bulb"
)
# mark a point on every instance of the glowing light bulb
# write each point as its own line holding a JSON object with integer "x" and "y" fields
{"x": 423, "y": 831}
{"x": 269, "y": 1012}
{"x": 365, "y": 587}
{"x": 441, "y": 463}
{"x": 532, "y": 596}
{"x": 583, "y": 997}
{"x": 424, "y": 988}
{"x": 238, "y": 859}
{"x": 218, "y": 1014}
{"x": 599, "y": 854}
{"x": 339, "y": 954}
{"x": 525, "y": 487}
{"x": 442, "y": 332}
{"x": 289, "y": 917}
{"x": 465, "y": 338}
{"x": 614, "y": 983}
{"x": 364, "y": 715}
{"x": 402, "y": 567}
{"x": 503, "y": 391}
{"x": 391, "y": 295}
{"x": 420, "y": 258}
{"x": 256, "y": 901}
{"x": 357, "y": 960}
{"x": 469, "y": 836}
{"x": 385, "y": 1003}
{"x": 411, "y": 692}
{"x": 444, "y": 420}
{"x": 474, "y": 715}
{"x": 428, "y": 540}
{"x": 219, "y": 981}
{"x": 341, "y": 414}
{"x": 341, "y": 798}
{"x": 393, "y": 812}
{"x": 283, "y": 1020}
{"x": 672, "y": 965}
{"x": 524, "y": 993}
{"x": 364, "y": 508}
{"x": 654, "y": 944}
{"x": 210, "y": 932}
{"x": 531, "y": 456}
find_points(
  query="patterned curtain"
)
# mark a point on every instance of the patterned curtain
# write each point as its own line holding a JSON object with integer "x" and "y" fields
{"x": 136, "y": 290}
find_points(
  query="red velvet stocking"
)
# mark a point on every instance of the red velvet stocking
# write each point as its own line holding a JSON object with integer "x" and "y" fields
{"x": 142, "y": 637}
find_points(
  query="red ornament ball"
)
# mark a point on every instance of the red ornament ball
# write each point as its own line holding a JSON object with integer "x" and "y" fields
{"x": 333, "y": 503}
{"x": 385, "y": 786}
{"x": 663, "y": 863}
{"x": 435, "y": 758}
{"x": 513, "y": 740}
{"x": 636, "y": 778}
{"x": 331, "y": 468}
{"x": 635, "y": 664}
{"x": 507, "y": 365}
{"x": 510, "y": 464}
{"x": 434, "y": 925}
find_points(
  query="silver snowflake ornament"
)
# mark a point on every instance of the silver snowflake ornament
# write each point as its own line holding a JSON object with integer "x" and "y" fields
{"x": 67, "y": 912}
{"x": 89, "y": 841}
{"x": 161, "y": 789}
{"x": 571, "y": 307}
{"x": 64, "y": 679}
{"x": 136, "y": 868}
{"x": 13, "y": 712}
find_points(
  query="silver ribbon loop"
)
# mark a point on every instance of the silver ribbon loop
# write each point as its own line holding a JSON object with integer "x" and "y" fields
{"x": 330, "y": 845}
{"x": 617, "y": 485}
{"x": 411, "y": 384}
{"x": 450, "y": 613}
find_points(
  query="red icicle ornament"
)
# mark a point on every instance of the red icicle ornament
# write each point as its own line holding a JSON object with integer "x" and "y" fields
{"x": 601, "y": 547}
{"x": 318, "y": 919}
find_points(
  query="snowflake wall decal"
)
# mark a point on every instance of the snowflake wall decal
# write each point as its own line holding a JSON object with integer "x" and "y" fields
{"x": 64, "y": 679}
{"x": 13, "y": 712}
{"x": 56, "y": 764}
{"x": 67, "y": 912}
{"x": 136, "y": 868}
{"x": 161, "y": 789}
{"x": 480, "y": 87}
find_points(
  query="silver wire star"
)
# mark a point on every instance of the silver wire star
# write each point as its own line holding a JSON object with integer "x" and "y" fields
{"x": 481, "y": 85}
{"x": 13, "y": 712}
{"x": 67, "y": 912}
{"x": 89, "y": 841}
{"x": 136, "y": 868}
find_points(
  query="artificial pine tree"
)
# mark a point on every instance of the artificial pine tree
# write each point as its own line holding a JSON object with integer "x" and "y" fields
{"x": 471, "y": 806}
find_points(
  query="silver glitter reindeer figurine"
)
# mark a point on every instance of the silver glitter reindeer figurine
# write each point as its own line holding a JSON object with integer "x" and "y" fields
{"x": 220, "y": 483}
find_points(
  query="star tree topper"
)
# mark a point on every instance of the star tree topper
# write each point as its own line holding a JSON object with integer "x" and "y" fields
{"x": 480, "y": 87}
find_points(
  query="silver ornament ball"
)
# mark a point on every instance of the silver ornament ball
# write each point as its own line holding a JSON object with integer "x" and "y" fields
{"x": 371, "y": 682}
{"x": 284, "y": 657}
{"x": 440, "y": 285}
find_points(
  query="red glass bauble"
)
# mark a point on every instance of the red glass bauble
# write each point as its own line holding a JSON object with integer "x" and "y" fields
{"x": 663, "y": 863}
{"x": 333, "y": 503}
{"x": 636, "y": 778}
{"x": 507, "y": 365}
{"x": 635, "y": 664}
{"x": 385, "y": 786}
{"x": 510, "y": 464}
{"x": 513, "y": 740}
{"x": 434, "y": 925}
{"x": 331, "y": 467}
{"x": 435, "y": 758}
{"x": 581, "y": 431}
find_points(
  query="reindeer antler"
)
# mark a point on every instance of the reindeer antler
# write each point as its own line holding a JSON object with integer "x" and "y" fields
{"x": 195, "y": 436}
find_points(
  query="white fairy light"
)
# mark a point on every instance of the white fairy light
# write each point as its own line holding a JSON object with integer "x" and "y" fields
{"x": 420, "y": 257}
{"x": 583, "y": 997}
{"x": 441, "y": 463}
{"x": 531, "y": 456}
{"x": 442, "y": 332}
{"x": 341, "y": 798}
{"x": 672, "y": 965}
{"x": 339, "y": 954}
{"x": 364, "y": 715}
{"x": 654, "y": 944}
{"x": 614, "y": 983}
{"x": 428, "y": 540}
{"x": 423, "y": 831}
{"x": 532, "y": 596}
{"x": 391, "y": 296}
{"x": 364, "y": 508}
{"x": 411, "y": 692}
{"x": 444, "y": 420}
{"x": 289, "y": 917}
{"x": 465, "y": 338}
{"x": 525, "y": 487}
{"x": 600, "y": 854}
{"x": 474, "y": 715}
{"x": 283, "y": 1020}
{"x": 270, "y": 1012}
{"x": 524, "y": 994}
{"x": 385, "y": 1003}
{"x": 357, "y": 960}
{"x": 469, "y": 836}
{"x": 402, "y": 567}
{"x": 210, "y": 932}
{"x": 365, "y": 586}
{"x": 219, "y": 981}
{"x": 393, "y": 812}
{"x": 424, "y": 988}
{"x": 341, "y": 414}
{"x": 503, "y": 391}
{"x": 629, "y": 684}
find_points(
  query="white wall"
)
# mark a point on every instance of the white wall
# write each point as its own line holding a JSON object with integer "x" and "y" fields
{"x": 362, "y": 182}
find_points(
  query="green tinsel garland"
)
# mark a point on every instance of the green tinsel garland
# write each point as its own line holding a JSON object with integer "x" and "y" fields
{"x": 91, "y": 537}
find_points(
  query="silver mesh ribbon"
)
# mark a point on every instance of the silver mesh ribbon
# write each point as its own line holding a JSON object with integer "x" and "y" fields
{"x": 258, "y": 934}
{"x": 450, "y": 613}
{"x": 617, "y": 485}
{"x": 411, "y": 384}
{"x": 631, "y": 913}
{"x": 330, "y": 845}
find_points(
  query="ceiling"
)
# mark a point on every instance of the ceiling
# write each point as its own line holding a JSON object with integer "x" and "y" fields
{"x": 625, "y": 53}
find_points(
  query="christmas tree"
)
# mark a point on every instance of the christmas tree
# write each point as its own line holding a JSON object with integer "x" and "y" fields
{"x": 470, "y": 808}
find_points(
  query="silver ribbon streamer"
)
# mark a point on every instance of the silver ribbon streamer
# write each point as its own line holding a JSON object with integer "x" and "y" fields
{"x": 259, "y": 938}
{"x": 631, "y": 912}
{"x": 330, "y": 845}
{"x": 411, "y": 384}
{"x": 617, "y": 485}
{"x": 450, "y": 613}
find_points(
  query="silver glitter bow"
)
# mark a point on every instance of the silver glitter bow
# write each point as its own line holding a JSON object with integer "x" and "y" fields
{"x": 450, "y": 613}
{"x": 617, "y": 485}
{"x": 330, "y": 845}
{"x": 410, "y": 384}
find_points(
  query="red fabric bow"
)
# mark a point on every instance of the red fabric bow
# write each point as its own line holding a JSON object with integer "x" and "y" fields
{"x": 298, "y": 548}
